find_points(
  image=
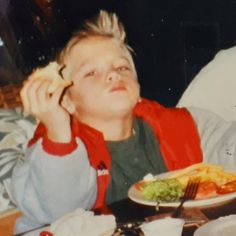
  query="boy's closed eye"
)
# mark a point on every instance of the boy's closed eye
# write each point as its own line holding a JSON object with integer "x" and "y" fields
{"x": 123, "y": 68}
{"x": 90, "y": 74}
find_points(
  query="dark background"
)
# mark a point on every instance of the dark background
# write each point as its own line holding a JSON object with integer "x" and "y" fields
{"x": 173, "y": 39}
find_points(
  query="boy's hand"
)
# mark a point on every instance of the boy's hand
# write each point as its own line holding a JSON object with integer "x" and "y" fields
{"x": 46, "y": 107}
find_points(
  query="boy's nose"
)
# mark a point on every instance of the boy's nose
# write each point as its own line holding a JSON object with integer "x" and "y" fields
{"x": 113, "y": 76}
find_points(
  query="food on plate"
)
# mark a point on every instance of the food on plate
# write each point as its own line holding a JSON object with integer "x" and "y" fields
{"x": 227, "y": 188}
{"x": 162, "y": 190}
{"x": 215, "y": 180}
{"x": 207, "y": 172}
{"x": 206, "y": 189}
{"x": 52, "y": 72}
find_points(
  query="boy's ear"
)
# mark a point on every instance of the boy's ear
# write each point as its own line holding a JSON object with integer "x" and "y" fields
{"x": 67, "y": 104}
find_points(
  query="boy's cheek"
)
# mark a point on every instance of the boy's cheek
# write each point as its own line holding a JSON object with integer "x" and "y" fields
{"x": 137, "y": 85}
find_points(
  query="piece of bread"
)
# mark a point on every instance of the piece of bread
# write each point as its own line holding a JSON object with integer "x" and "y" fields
{"x": 52, "y": 72}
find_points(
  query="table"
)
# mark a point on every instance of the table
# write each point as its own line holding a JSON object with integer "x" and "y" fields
{"x": 126, "y": 210}
{"x": 7, "y": 221}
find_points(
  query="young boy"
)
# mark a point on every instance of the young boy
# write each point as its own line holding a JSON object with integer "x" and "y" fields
{"x": 98, "y": 137}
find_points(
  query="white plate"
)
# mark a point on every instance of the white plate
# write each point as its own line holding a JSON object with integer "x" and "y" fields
{"x": 135, "y": 195}
{"x": 223, "y": 226}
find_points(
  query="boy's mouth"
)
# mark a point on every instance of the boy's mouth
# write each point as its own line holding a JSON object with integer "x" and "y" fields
{"x": 118, "y": 88}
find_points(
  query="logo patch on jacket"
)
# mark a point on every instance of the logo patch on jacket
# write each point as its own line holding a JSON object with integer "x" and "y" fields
{"x": 102, "y": 169}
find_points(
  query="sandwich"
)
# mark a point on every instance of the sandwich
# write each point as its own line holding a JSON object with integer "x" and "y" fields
{"x": 52, "y": 72}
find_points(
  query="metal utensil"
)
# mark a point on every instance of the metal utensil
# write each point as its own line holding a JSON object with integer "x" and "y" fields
{"x": 189, "y": 194}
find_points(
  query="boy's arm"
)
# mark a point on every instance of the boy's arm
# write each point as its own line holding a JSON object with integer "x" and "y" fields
{"x": 46, "y": 187}
{"x": 218, "y": 137}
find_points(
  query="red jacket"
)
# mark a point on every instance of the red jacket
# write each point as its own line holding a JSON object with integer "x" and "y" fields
{"x": 173, "y": 127}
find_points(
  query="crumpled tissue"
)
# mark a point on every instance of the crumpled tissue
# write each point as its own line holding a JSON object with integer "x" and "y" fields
{"x": 83, "y": 223}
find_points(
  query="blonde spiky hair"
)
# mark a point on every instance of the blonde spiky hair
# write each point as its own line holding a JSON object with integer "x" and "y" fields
{"x": 105, "y": 25}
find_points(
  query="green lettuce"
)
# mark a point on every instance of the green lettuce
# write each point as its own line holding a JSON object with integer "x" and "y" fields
{"x": 163, "y": 190}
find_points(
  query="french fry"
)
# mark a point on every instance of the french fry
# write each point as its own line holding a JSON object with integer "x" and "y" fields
{"x": 207, "y": 172}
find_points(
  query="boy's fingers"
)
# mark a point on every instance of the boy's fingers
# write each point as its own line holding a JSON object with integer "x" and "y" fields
{"x": 42, "y": 97}
{"x": 35, "y": 96}
{"x": 56, "y": 96}
{"x": 33, "y": 93}
{"x": 27, "y": 84}
{"x": 41, "y": 93}
{"x": 24, "y": 96}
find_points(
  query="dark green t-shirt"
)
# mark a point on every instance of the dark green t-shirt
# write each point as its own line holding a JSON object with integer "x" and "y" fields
{"x": 132, "y": 159}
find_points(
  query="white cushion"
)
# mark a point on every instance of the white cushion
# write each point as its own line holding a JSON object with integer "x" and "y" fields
{"x": 15, "y": 131}
{"x": 214, "y": 87}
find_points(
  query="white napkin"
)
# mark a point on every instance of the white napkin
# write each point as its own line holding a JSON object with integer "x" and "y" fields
{"x": 223, "y": 226}
{"x": 83, "y": 223}
{"x": 162, "y": 227}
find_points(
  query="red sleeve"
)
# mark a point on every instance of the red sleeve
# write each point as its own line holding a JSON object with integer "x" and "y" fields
{"x": 54, "y": 148}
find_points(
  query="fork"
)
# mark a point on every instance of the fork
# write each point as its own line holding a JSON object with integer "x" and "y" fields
{"x": 189, "y": 194}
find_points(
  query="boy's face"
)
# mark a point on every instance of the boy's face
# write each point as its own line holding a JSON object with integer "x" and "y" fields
{"x": 104, "y": 78}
